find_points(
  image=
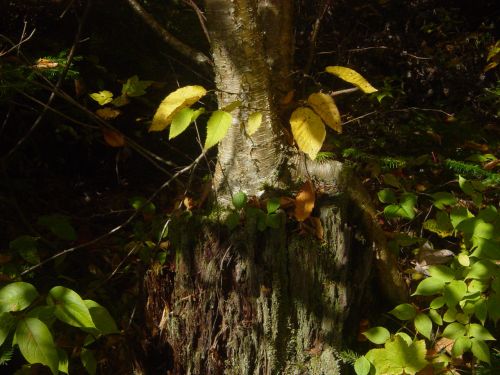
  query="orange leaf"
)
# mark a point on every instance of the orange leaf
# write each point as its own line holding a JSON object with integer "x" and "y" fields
{"x": 304, "y": 202}
{"x": 112, "y": 138}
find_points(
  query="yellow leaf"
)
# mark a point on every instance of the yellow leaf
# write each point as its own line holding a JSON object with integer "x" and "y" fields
{"x": 254, "y": 122}
{"x": 351, "y": 76}
{"x": 108, "y": 113}
{"x": 304, "y": 201}
{"x": 325, "y": 107}
{"x": 113, "y": 138}
{"x": 308, "y": 131}
{"x": 102, "y": 97}
{"x": 173, "y": 103}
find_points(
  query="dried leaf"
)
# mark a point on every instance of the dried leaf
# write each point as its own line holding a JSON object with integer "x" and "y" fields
{"x": 287, "y": 99}
{"x": 304, "y": 201}
{"x": 45, "y": 64}
{"x": 254, "y": 122}
{"x": 444, "y": 343}
{"x": 308, "y": 131}
{"x": 108, "y": 113}
{"x": 325, "y": 107}
{"x": 112, "y": 138}
{"x": 173, "y": 103}
{"x": 351, "y": 76}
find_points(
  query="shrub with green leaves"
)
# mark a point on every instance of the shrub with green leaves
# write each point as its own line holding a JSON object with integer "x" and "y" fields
{"x": 27, "y": 321}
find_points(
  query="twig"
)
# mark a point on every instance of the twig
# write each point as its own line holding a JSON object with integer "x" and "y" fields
{"x": 314, "y": 35}
{"x": 201, "y": 17}
{"x": 120, "y": 226}
{"x": 15, "y": 45}
{"x": 345, "y": 91}
{"x": 196, "y": 56}
{"x": 56, "y": 86}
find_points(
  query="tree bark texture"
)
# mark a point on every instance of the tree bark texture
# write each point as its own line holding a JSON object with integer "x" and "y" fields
{"x": 250, "y": 302}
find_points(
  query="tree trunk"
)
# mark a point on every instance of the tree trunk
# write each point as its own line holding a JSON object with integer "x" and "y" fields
{"x": 250, "y": 302}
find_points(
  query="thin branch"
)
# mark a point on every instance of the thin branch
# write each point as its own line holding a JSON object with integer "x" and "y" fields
{"x": 345, "y": 91}
{"x": 314, "y": 35}
{"x": 201, "y": 17}
{"x": 194, "y": 55}
{"x": 60, "y": 80}
{"x": 120, "y": 226}
{"x": 15, "y": 45}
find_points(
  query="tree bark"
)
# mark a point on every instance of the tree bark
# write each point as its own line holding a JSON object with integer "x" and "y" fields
{"x": 250, "y": 302}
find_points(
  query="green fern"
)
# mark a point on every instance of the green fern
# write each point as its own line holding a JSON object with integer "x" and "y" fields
{"x": 348, "y": 356}
{"x": 471, "y": 170}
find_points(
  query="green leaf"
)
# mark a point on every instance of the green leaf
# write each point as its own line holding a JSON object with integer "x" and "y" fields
{"x": 272, "y": 205}
{"x": 450, "y": 315}
{"x": 88, "y": 361}
{"x": 404, "y": 311}
{"x": 7, "y": 322}
{"x": 436, "y": 318}
{"x": 69, "y": 307}
{"x": 101, "y": 317}
{"x": 443, "y": 199}
{"x": 437, "y": 302}
{"x": 240, "y": 200}
{"x": 180, "y": 122}
{"x": 405, "y": 337}
{"x": 459, "y": 214}
{"x": 423, "y": 324}
{"x": 454, "y": 330}
{"x": 387, "y": 196}
{"x": 217, "y": 126}
{"x": 442, "y": 272}
{"x": 408, "y": 202}
{"x": 398, "y": 357}
{"x": 472, "y": 189}
{"x": 429, "y": 286}
{"x": 232, "y": 106}
{"x": 135, "y": 87}
{"x": 102, "y": 97}
{"x": 494, "y": 307}
{"x": 454, "y": 292}
{"x": 36, "y": 344}
{"x": 44, "y": 313}
{"x": 232, "y": 220}
{"x": 26, "y": 247}
{"x": 480, "y": 350}
{"x": 377, "y": 335}
{"x": 17, "y": 296}
{"x": 141, "y": 203}
{"x": 63, "y": 361}
{"x": 461, "y": 345}
{"x": 59, "y": 225}
{"x": 463, "y": 259}
{"x": 391, "y": 180}
{"x": 482, "y": 269}
{"x": 362, "y": 366}
{"x": 479, "y": 332}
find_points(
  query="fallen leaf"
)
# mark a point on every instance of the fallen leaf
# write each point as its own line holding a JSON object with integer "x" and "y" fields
{"x": 113, "y": 138}
{"x": 304, "y": 201}
{"x": 445, "y": 344}
{"x": 45, "y": 64}
{"x": 108, "y": 113}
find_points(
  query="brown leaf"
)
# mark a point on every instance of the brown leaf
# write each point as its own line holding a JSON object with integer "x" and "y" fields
{"x": 444, "y": 344}
{"x": 304, "y": 201}
{"x": 45, "y": 64}
{"x": 113, "y": 139}
{"x": 318, "y": 228}
{"x": 287, "y": 99}
{"x": 491, "y": 165}
{"x": 108, "y": 113}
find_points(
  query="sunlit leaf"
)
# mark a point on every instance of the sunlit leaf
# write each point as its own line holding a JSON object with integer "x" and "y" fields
{"x": 63, "y": 361}
{"x": 101, "y": 317}
{"x": 479, "y": 332}
{"x": 180, "y": 122}
{"x": 429, "y": 286}
{"x": 443, "y": 199}
{"x": 102, "y": 97}
{"x": 17, "y": 296}
{"x": 217, "y": 126}
{"x": 351, "y": 76}
{"x": 113, "y": 138}
{"x": 423, "y": 324}
{"x": 308, "y": 131}
{"x": 404, "y": 311}
{"x": 377, "y": 335}
{"x": 173, "y": 103}
{"x": 461, "y": 345}
{"x": 69, "y": 307}
{"x": 480, "y": 350}
{"x": 304, "y": 201}
{"x": 386, "y": 196}
{"x": 254, "y": 122}
{"x": 239, "y": 200}
{"x": 362, "y": 366}
{"x": 325, "y": 107}
{"x": 36, "y": 343}
{"x": 231, "y": 106}
{"x": 454, "y": 330}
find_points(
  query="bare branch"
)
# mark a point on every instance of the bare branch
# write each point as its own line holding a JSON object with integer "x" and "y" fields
{"x": 194, "y": 55}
